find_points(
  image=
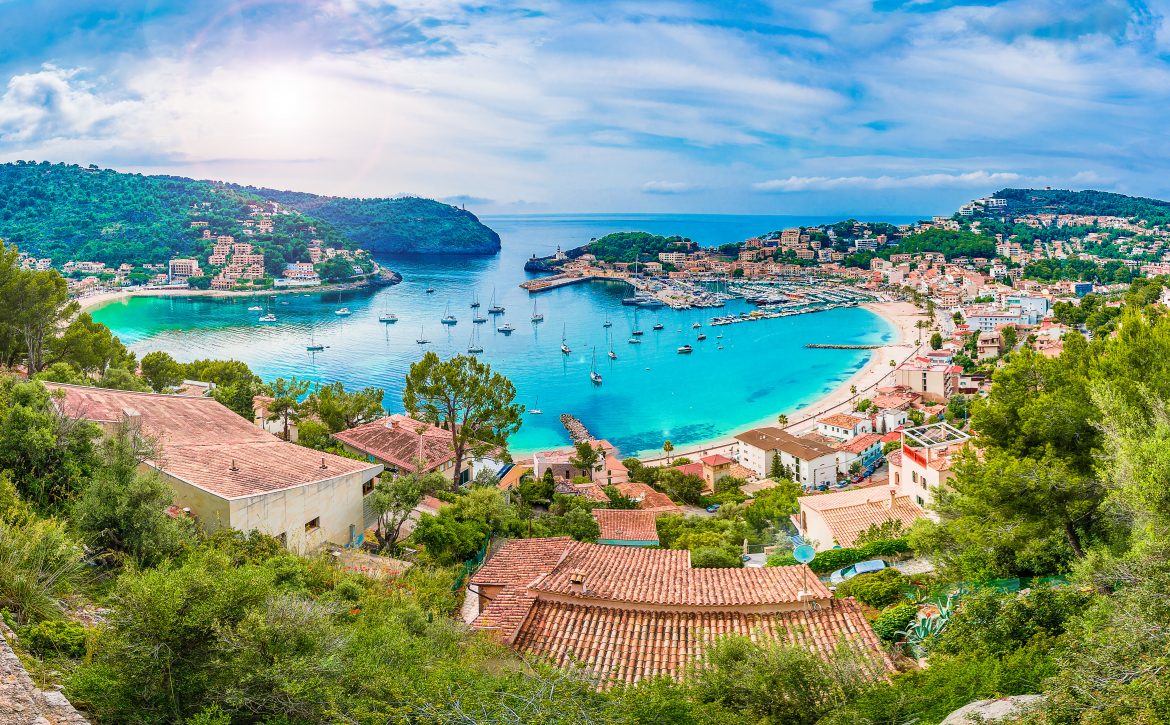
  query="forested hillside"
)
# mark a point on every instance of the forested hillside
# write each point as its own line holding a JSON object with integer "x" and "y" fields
{"x": 65, "y": 212}
{"x": 1089, "y": 202}
{"x": 404, "y": 225}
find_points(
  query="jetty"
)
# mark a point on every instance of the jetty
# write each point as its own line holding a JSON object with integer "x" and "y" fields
{"x": 819, "y": 346}
{"x": 577, "y": 430}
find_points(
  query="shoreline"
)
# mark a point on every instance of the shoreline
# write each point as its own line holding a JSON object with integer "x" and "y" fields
{"x": 901, "y": 316}
{"x": 89, "y": 303}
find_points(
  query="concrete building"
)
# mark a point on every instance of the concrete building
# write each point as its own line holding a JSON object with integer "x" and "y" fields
{"x": 811, "y": 463}
{"x": 925, "y": 460}
{"x": 226, "y": 472}
{"x": 843, "y": 426}
{"x": 936, "y": 383}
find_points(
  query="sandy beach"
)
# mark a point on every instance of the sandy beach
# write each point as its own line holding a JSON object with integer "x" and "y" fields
{"x": 903, "y": 316}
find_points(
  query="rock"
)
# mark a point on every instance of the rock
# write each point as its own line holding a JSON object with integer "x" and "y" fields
{"x": 21, "y": 703}
{"x": 982, "y": 711}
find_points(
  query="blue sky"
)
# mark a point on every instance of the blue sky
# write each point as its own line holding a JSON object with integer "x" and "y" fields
{"x": 826, "y": 107}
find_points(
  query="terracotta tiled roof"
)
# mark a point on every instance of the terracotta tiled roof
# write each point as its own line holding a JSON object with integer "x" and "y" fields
{"x": 401, "y": 440}
{"x": 848, "y": 513}
{"x": 840, "y": 420}
{"x": 894, "y": 459}
{"x": 207, "y": 445}
{"x": 772, "y": 438}
{"x": 648, "y": 499}
{"x": 716, "y": 460}
{"x": 692, "y": 469}
{"x": 859, "y": 444}
{"x": 520, "y": 561}
{"x": 622, "y": 525}
{"x": 613, "y": 645}
{"x": 666, "y": 577}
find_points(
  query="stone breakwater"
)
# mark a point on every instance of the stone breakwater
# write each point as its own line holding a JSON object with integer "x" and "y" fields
{"x": 577, "y": 430}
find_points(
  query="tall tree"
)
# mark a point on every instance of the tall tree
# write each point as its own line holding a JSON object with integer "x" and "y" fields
{"x": 394, "y": 499}
{"x": 584, "y": 457}
{"x": 286, "y": 402}
{"x": 161, "y": 371}
{"x": 340, "y": 409}
{"x": 89, "y": 346}
{"x": 463, "y": 396}
{"x": 43, "y": 306}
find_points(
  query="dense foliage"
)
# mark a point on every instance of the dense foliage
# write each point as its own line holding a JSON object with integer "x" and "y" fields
{"x": 399, "y": 225}
{"x": 631, "y": 246}
{"x": 1088, "y": 202}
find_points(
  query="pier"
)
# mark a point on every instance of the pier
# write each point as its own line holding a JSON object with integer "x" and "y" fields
{"x": 577, "y": 430}
{"x": 818, "y": 346}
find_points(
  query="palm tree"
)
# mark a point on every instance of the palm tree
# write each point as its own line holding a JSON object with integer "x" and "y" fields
{"x": 667, "y": 447}
{"x": 782, "y": 420}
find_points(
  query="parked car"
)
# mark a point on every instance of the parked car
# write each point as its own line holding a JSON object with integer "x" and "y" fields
{"x": 861, "y": 567}
{"x": 712, "y": 508}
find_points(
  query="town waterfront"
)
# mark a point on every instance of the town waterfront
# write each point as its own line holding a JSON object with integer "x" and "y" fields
{"x": 649, "y": 394}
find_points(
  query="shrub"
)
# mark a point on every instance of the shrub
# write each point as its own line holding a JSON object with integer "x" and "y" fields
{"x": 712, "y": 557}
{"x": 879, "y": 589}
{"x": 56, "y": 637}
{"x": 834, "y": 559}
{"x": 893, "y": 620}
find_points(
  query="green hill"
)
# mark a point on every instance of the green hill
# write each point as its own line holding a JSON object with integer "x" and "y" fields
{"x": 65, "y": 211}
{"x": 404, "y": 225}
{"x": 1088, "y": 202}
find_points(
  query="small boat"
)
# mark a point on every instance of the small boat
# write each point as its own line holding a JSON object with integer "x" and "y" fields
{"x": 473, "y": 345}
{"x": 479, "y": 319}
{"x": 719, "y": 347}
{"x": 719, "y": 336}
{"x": 313, "y": 345}
{"x": 702, "y": 336}
{"x": 593, "y": 374}
{"x": 536, "y": 316}
{"x": 255, "y": 308}
{"x": 535, "y": 410}
{"x": 387, "y": 317}
{"x": 612, "y": 354}
{"x": 696, "y": 326}
{"x": 564, "y": 344}
{"x": 505, "y": 328}
{"x": 637, "y": 333}
{"x": 475, "y": 302}
{"x": 268, "y": 318}
{"x": 495, "y": 309}
{"x": 634, "y": 341}
{"x": 343, "y": 312}
{"x": 430, "y": 290}
{"x": 607, "y": 323}
{"x": 658, "y": 326}
{"x": 685, "y": 349}
{"x": 448, "y": 318}
{"x": 422, "y": 339}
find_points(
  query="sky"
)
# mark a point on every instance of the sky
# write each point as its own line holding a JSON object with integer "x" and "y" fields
{"x": 787, "y": 107}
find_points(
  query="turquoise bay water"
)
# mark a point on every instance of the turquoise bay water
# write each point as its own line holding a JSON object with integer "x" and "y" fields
{"x": 649, "y": 394}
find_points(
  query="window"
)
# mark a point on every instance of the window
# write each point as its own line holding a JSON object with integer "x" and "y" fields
{"x": 368, "y": 487}
{"x": 313, "y": 525}
{"x": 283, "y": 539}
{"x": 914, "y": 476}
{"x": 920, "y": 501}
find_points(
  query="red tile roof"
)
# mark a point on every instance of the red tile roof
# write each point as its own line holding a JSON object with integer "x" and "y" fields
{"x": 840, "y": 420}
{"x": 648, "y": 499}
{"x": 858, "y": 444}
{"x": 401, "y": 440}
{"x": 622, "y": 525}
{"x": 613, "y": 645}
{"x": 716, "y": 460}
{"x": 691, "y": 469}
{"x": 849, "y": 513}
{"x": 207, "y": 445}
{"x": 623, "y": 614}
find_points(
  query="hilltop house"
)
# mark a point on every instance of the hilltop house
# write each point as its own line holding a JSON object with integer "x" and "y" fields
{"x": 226, "y": 472}
{"x": 405, "y": 445}
{"x": 622, "y": 614}
{"x": 836, "y": 518}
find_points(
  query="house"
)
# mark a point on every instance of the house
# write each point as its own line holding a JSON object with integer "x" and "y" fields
{"x": 623, "y": 614}
{"x": 837, "y": 518}
{"x": 406, "y": 445}
{"x": 626, "y": 527}
{"x": 647, "y": 498}
{"x": 924, "y": 465}
{"x": 227, "y": 473}
{"x": 865, "y": 449}
{"x": 843, "y": 426}
{"x": 989, "y": 345}
{"x": 810, "y": 463}
{"x": 935, "y": 383}
{"x": 710, "y": 469}
{"x": 608, "y": 470}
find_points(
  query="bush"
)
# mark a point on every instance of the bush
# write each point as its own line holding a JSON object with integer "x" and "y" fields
{"x": 711, "y": 557}
{"x": 834, "y": 559}
{"x": 894, "y": 620}
{"x": 879, "y": 589}
{"x": 56, "y": 637}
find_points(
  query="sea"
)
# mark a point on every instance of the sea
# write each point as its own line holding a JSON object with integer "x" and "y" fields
{"x": 648, "y": 395}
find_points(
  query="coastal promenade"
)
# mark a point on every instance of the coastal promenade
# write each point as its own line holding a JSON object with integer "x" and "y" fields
{"x": 876, "y": 373}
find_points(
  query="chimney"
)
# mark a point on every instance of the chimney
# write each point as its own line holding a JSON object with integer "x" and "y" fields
{"x": 233, "y": 466}
{"x": 893, "y": 495}
{"x": 389, "y": 423}
{"x": 323, "y": 466}
{"x": 577, "y": 582}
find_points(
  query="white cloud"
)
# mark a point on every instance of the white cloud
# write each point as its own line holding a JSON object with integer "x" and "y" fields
{"x": 56, "y": 103}
{"x": 919, "y": 181}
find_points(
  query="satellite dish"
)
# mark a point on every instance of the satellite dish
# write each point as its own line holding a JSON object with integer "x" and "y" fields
{"x": 804, "y": 553}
